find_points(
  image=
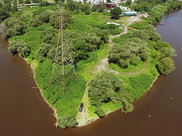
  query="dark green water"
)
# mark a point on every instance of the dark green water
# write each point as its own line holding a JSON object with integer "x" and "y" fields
{"x": 23, "y": 112}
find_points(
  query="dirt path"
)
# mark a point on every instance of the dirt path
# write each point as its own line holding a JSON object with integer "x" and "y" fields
{"x": 84, "y": 117}
{"x": 125, "y": 28}
{"x": 104, "y": 65}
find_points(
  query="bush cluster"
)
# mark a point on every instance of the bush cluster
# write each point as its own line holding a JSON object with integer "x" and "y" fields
{"x": 128, "y": 52}
{"x": 14, "y": 27}
{"x": 19, "y": 47}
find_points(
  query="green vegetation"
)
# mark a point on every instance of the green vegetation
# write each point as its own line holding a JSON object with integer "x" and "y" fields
{"x": 128, "y": 52}
{"x": 166, "y": 65}
{"x": 103, "y": 87}
{"x": 14, "y": 27}
{"x": 100, "y": 112}
{"x": 67, "y": 121}
{"x": 19, "y": 47}
{"x": 137, "y": 57}
{"x": 155, "y": 9}
{"x": 116, "y": 12}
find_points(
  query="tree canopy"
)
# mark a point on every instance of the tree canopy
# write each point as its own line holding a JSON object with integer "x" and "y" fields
{"x": 19, "y": 47}
{"x": 116, "y": 12}
{"x": 128, "y": 52}
{"x": 166, "y": 65}
{"x": 103, "y": 87}
{"x": 14, "y": 27}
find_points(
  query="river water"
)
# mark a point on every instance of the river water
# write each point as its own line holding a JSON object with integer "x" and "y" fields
{"x": 23, "y": 111}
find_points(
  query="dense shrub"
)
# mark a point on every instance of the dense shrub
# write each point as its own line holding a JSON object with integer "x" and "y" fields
{"x": 44, "y": 3}
{"x": 166, "y": 65}
{"x": 35, "y": 22}
{"x": 45, "y": 16}
{"x": 19, "y": 47}
{"x": 100, "y": 112}
{"x": 85, "y": 7}
{"x": 101, "y": 8}
{"x": 127, "y": 100}
{"x": 94, "y": 8}
{"x": 54, "y": 19}
{"x": 27, "y": 1}
{"x": 116, "y": 12}
{"x": 139, "y": 84}
{"x": 167, "y": 52}
{"x": 3, "y": 14}
{"x": 128, "y": 52}
{"x": 42, "y": 52}
{"x": 14, "y": 27}
{"x": 66, "y": 102}
{"x": 159, "y": 45}
{"x": 141, "y": 34}
{"x": 67, "y": 121}
{"x": 103, "y": 87}
{"x": 87, "y": 12}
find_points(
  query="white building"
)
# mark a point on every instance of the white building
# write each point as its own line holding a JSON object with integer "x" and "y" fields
{"x": 98, "y": 1}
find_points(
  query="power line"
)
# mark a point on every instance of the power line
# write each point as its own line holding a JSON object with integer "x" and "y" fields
{"x": 67, "y": 66}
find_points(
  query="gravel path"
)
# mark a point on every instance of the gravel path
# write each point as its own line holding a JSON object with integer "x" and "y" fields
{"x": 104, "y": 65}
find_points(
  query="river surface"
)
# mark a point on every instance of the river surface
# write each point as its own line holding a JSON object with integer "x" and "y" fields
{"x": 23, "y": 111}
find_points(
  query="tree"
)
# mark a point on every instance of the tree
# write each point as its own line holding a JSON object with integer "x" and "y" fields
{"x": 100, "y": 112}
{"x": 19, "y": 46}
{"x": 141, "y": 34}
{"x": 35, "y": 1}
{"x": 85, "y": 7}
{"x": 35, "y": 22}
{"x": 87, "y": 12}
{"x": 128, "y": 2}
{"x": 101, "y": 8}
{"x": 116, "y": 12}
{"x": 167, "y": 52}
{"x": 159, "y": 45}
{"x": 84, "y": 1}
{"x": 3, "y": 14}
{"x": 7, "y": 4}
{"x": 15, "y": 5}
{"x": 1, "y": 5}
{"x": 56, "y": 1}
{"x": 71, "y": 5}
{"x": 45, "y": 16}
{"x": 67, "y": 121}
{"x": 166, "y": 65}
{"x": 42, "y": 52}
{"x": 128, "y": 52}
{"x": 103, "y": 34}
{"x": 103, "y": 87}
{"x": 94, "y": 8}
{"x": 14, "y": 27}
{"x": 20, "y": 1}
{"x": 27, "y": 2}
{"x": 127, "y": 99}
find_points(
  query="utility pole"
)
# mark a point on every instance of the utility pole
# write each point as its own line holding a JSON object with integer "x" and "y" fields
{"x": 65, "y": 72}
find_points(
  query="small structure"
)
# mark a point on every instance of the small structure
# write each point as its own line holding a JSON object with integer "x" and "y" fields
{"x": 110, "y": 5}
{"x": 110, "y": 23}
{"x": 124, "y": 8}
{"x": 107, "y": 5}
{"x": 130, "y": 13}
{"x": 81, "y": 107}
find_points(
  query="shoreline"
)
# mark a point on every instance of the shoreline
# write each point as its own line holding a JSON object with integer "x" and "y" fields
{"x": 91, "y": 118}
{"x": 107, "y": 114}
{"x": 32, "y": 66}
